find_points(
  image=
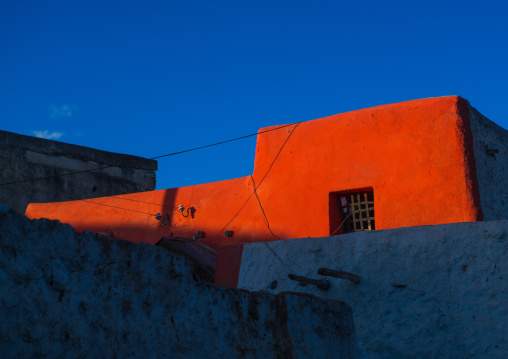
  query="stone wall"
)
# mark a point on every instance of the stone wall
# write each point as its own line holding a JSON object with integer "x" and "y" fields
{"x": 24, "y": 158}
{"x": 73, "y": 295}
{"x": 425, "y": 292}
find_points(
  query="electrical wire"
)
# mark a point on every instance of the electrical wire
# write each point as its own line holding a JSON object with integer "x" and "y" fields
{"x": 152, "y": 158}
{"x": 344, "y": 221}
{"x": 90, "y": 200}
{"x": 262, "y": 179}
{"x": 131, "y": 210}
{"x": 108, "y": 205}
{"x": 262, "y": 210}
{"x": 267, "y": 223}
{"x": 152, "y": 203}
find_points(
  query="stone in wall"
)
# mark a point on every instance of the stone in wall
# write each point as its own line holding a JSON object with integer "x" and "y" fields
{"x": 73, "y": 295}
{"x": 24, "y": 158}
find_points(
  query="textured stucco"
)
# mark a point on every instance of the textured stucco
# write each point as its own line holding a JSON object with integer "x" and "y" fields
{"x": 490, "y": 143}
{"x": 69, "y": 295}
{"x": 23, "y": 158}
{"x": 425, "y": 292}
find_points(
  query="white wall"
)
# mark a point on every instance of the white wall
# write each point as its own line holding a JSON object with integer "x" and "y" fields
{"x": 425, "y": 292}
{"x": 70, "y": 295}
{"x": 491, "y": 169}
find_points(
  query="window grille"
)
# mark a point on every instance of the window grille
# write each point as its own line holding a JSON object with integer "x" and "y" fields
{"x": 357, "y": 211}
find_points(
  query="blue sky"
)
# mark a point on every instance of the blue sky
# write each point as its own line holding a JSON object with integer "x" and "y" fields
{"x": 154, "y": 77}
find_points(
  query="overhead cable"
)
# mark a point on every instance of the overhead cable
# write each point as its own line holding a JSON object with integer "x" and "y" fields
{"x": 152, "y": 158}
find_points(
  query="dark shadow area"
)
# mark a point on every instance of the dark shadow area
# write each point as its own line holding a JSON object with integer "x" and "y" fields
{"x": 204, "y": 258}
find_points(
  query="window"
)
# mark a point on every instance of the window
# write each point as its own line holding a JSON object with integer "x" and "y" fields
{"x": 355, "y": 212}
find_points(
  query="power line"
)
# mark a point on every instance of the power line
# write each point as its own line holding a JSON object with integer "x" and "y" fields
{"x": 122, "y": 208}
{"x": 152, "y": 203}
{"x": 262, "y": 179}
{"x": 131, "y": 210}
{"x": 223, "y": 142}
{"x": 262, "y": 210}
{"x": 152, "y": 158}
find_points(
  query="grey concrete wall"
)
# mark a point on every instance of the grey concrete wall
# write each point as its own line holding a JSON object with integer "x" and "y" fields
{"x": 25, "y": 158}
{"x": 425, "y": 292}
{"x": 490, "y": 145}
{"x": 70, "y": 295}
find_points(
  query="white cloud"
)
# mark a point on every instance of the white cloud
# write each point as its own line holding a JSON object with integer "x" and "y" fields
{"x": 48, "y": 136}
{"x": 62, "y": 111}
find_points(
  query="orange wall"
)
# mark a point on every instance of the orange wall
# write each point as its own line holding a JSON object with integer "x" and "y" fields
{"x": 416, "y": 156}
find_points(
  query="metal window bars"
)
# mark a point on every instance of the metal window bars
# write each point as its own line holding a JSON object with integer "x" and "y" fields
{"x": 357, "y": 211}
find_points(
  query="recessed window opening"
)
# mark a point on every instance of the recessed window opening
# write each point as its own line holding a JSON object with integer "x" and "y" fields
{"x": 356, "y": 211}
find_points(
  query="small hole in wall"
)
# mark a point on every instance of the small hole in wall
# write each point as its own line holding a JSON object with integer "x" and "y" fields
{"x": 94, "y": 188}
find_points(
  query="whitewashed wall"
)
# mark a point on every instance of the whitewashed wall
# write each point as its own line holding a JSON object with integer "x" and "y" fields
{"x": 425, "y": 292}
{"x": 69, "y": 295}
{"x": 490, "y": 146}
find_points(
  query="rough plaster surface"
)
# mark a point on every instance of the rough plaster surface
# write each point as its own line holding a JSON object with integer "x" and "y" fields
{"x": 491, "y": 169}
{"x": 24, "y": 157}
{"x": 425, "y": 292}
{"x": 73, "y": 295}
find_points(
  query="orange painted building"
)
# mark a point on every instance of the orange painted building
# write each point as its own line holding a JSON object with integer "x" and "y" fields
{"x": 415, "y": 162}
